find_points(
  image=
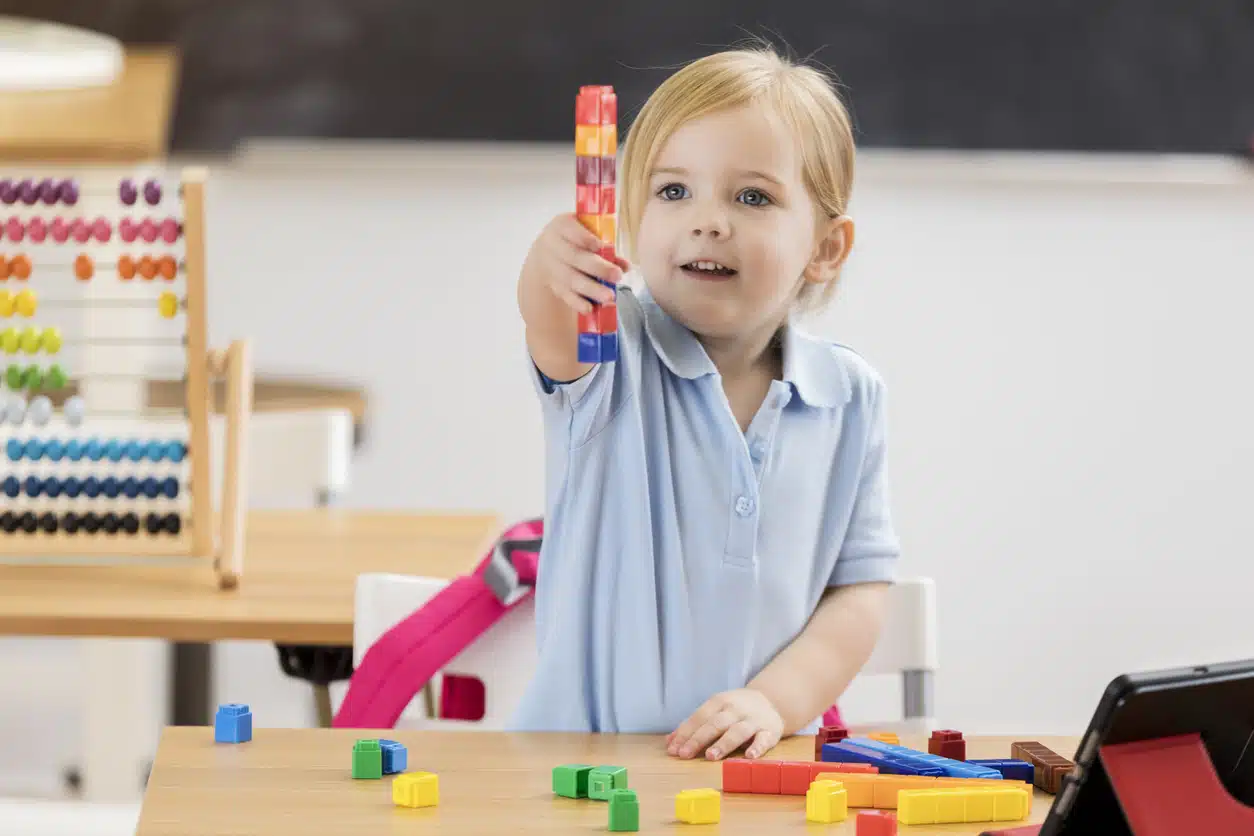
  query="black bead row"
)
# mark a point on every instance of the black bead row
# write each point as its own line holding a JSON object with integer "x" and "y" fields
{"x": 71, "y": 522}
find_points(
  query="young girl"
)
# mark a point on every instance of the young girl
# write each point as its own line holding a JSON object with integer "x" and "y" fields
{"x": 717, "y": 535}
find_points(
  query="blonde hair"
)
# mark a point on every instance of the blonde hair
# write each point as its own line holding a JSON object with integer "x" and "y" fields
{"x": 802, "y": 95}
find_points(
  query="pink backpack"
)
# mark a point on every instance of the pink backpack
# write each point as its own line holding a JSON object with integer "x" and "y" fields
{"x": 397, "y": 666}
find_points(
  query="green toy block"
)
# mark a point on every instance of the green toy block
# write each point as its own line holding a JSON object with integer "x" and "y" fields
{"x": 604, "y": 780}
{"x": 367, "y": 759}
{"x": 571, "y": 780}
{"x": 624, "y": 810}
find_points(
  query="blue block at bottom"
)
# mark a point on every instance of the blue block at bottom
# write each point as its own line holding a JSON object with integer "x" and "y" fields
{"x": 846, "y": 752}
{"x": 233, "y": 723}
{"x": 598, "y": 348}
{"x": 609, "y": 348}
{"x": 395, "y": 757}
{"x": 1011, "y": 770}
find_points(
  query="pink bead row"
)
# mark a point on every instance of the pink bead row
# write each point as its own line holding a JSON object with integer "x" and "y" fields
{"x": 82, "y": 231}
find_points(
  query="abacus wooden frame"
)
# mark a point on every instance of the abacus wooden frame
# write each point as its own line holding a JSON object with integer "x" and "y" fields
{"x": 209, "y": 537}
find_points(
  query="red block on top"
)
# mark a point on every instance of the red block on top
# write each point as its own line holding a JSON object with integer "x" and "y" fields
{"x": 607, "y": 318}
{"x": 596, "y": 105}
{"x": 876, "y": 823}
{"x": 737, "y": 775}
{"x": 947, "y": 743}
{"x": 590, "y": 323}
{"x": 828, "y": 734}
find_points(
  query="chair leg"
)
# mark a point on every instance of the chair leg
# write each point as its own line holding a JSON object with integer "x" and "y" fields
{"x": 917, "y": 692}
{"x": 322, "y": 705}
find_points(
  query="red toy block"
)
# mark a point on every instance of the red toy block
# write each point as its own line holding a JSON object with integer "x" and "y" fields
{"x": 948, "y": 743}
{"x": 737, "y": 775}
{"x": 876, "y": 823}
{"x": 828, "y": 734}
{"x": 587, "y": 170}
{"x": 794, "y": 777}
{"x": 608, "y": 170}
{"x": 765, "y": 777}
{"x": 607, "y": 198}
{"x": 589, "y": 323}
{"x": 819, "y": 767}
{"x": 588, "y": 196}
{"x": 607, "y": 318}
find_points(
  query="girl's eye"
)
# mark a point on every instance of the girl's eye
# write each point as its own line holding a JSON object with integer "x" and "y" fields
{"x": 672, "y": 191}
{"x": 755, "y": 197}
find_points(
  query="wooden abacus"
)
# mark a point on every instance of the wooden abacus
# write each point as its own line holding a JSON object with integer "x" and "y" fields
{"x": 138, "y": 487}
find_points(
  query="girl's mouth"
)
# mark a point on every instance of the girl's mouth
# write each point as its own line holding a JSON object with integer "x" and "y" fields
{"x": 707, "y": 270}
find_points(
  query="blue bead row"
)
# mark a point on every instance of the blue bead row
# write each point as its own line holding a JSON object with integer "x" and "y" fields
{"x": 109, "y": 486}
{"x": 94, "y": 450}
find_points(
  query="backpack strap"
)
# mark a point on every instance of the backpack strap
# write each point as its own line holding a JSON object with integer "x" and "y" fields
{"x": 397, "y": 666}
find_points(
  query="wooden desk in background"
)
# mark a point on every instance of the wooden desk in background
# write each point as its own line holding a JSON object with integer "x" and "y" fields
{"x": 298, "y": 781}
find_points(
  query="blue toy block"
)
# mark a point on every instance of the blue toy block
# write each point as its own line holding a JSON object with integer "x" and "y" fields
{"x": 1011, "y": 770}
{"x": 233, "y": 723}
{"x": 949, "y": 767}
{"x": 609, "y": 348}
{"x": 395, "y": 757}
{"x": 589, "y": 348}
{"x": 845, "y": 752}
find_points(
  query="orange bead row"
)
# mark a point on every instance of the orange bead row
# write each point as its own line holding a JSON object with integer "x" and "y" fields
{"x": 148, "y": 267}
{"x": 18, "y": 267}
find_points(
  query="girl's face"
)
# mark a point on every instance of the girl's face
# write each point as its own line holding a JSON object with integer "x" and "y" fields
{"x": 729, "y": 232}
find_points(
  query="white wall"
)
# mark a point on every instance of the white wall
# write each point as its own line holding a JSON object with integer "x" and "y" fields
{"x": 1066, "y": 344}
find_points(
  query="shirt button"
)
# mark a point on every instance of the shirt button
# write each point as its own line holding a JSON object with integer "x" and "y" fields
{"x": 758, "y": 450}
{"x": 744, "y": 505}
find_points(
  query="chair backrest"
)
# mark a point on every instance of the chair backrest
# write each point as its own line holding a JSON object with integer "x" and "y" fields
{"x": 502, "y": 659}
{"x": 908, "y": 639}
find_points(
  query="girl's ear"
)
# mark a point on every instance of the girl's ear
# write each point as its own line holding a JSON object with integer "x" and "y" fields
{"x": 834, "y": 243}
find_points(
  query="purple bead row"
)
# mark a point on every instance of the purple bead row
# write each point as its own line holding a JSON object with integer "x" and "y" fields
{"x": 66, "y": 191}
{"x": 82, "y": 231}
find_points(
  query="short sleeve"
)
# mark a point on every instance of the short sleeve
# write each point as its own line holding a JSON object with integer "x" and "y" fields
{"x": 870, "y": 550}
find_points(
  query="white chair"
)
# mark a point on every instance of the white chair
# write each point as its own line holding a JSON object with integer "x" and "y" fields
{"x": 503, "y": 658}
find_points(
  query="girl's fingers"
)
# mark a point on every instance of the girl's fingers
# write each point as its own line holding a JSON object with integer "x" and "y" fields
{"x": 593, "y": 265}
{"x": 763, "y": 742}
{"x": 571, "y": 298}
{"x": 578, "y": 235}
{"x": 710, "y": 731}
{"x": 581, "y": 285}
{"x": 732, "y": 739}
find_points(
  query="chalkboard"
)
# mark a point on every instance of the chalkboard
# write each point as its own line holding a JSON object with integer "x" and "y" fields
{"x": 1106, "y": 75}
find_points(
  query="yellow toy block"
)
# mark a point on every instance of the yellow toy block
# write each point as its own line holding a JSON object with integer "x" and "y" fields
{"x": 966, "y": 805}
{"x": 596, "y": 140}
{"x": 697, "y": 806}
{"x": 880, "y": 791}
{"x": 827, "y": 802}
{"x": 416, "y": 789}
{"x": 885, "y": 737}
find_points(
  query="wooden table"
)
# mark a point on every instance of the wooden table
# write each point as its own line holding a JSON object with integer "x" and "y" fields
{"x": 298, "y": 781}
{"x": 300, "y": 571}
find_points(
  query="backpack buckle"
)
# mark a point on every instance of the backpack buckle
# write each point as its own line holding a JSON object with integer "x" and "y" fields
{"x": 502, "y": 576}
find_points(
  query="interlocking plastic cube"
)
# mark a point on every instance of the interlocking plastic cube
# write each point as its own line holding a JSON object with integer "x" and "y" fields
{"x": 416, "y": 789}
{"x": 571, "y": 780}
{"x": 603, "y": 780}
{"x": 395, "y": 757}
{"x": 233, "y": 723}
{"x": 624, "y": 810}
{"x": 367, "y": 759}
{"x": 827, "y": 802}
{"x": 697, "y": 806}
{"x": 876, "y": 823}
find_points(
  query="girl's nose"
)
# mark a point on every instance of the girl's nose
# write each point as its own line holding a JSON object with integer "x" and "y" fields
{"x": 710, "y": 223}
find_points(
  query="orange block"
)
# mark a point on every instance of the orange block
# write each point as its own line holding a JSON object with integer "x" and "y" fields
{"x": 601, "y": 226}
{"x": 596, "y": 140}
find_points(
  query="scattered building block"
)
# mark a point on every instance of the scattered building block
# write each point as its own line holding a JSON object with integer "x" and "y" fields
{"x": 737, "y": 775}
{"x": 948, "y": 743}
{"x": 233, "y": 723}
{"x": 1049, "y": 767}
{"x": 847, "y": 751}
{"x": 876, "y": 823}
{"x": 817, "y": 769}
{"x": 962, "y": 805}
{"x": 827, "y": 802}
{"x": 920, "y": 761}
{"x": 1012, "y": 770}
{"x": 697, "y": 806}
{"x": 828, "y": 734}
{"x": 416, "y": 789}
{"x": 794, "y": 777}
{"x": 881, "y": 791}
{"x": 885, "y": 737}
{"x": 765, "y": 777}
{"x": 603, "y": 780}
{"x": 395, "y": 757}
{"x": 571, "y": 780}
{"x": 367, "y": 759}
{"x": 624, "y": 810}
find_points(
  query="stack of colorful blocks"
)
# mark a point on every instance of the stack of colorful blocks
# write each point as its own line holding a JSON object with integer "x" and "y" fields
{"x": 600, "y": 783}
{"x": 596, "y": 146}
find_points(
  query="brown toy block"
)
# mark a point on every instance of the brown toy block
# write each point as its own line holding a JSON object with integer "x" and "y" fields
{"x": 828, "y": 734}
{"x": 1049, "y": 767}
{"x": 765, "y": 777}
{"x": 876, "y": 823}
{"x": 948, "y": 743}
{"x": 737, "y": 775}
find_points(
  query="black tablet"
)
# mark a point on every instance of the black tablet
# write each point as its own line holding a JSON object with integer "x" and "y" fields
{"x": 1216, "y": 701}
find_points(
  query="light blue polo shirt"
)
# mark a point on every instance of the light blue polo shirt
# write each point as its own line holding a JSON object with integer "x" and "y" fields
{"x": 681, "y": 555}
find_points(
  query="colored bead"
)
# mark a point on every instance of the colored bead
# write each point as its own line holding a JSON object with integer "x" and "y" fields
{"x": 75, "y": 407}
{"x": 52, "y": 486}
{"x": 168, "y": 305}
{"x": 170, "y": 487}
{"x": 69, "y": 522}
{"x": 110, "y": 487}
{"x": 170, "y": 230}
{"x": 101, "y": 230}
{"x": 28, "y": 522}
{"x": 59, "y": 230}
{"x": 51, "y": 340}
{"x": 26, "y": 303}
{"x": 153, "y": 523}
{"x": 113, "y": 450}
{"x": 91, "y": 487}
{"x": 110, "y": 522}
{"x": 20, "y": 267}
{"x": 55, "y": 448}
{"x": 130, "y": 487}
{"x": 175, "y": 451}
{"x": 47, "y": 191}
{"x": 5, "y": 269}
{"x": 73, "y": 487}
{"x": 32, "y": 377}
{"x": 10, "y": 342}
{"x": 130, "y": 522}
{"x": 127, "y": 230}
{"x": 37, "y": 229}
{"x": 154, "y": 451}
{"x": 90, "y": 521}
{"x": 15, "y": 411}
{"x": 93, "y": 450}
{"x": 12, "y": 487}
{"x": 148, "y": 230}
{"x": 34, "y": 449}
{"x": 152, "y": 192}
{"x": 150, "y": 487}
{"x": 57, "y": 379}
{"x": 33, "y": 485}
{"x": 133, "y": 450}
{"x": 7, "y": 301}
{"x": 30, "y": 340}
{"x": 80, "y": 231}
{"x": 167, "y": 267}
{"x": 15, "y": 230}
{"x": 127, "y": 192}
{"x": 74, "y": 450}
{"x": 40, "y": 410}
{"x": 126, "y": 268}
{"x": 8, "y": 192}
{"x": 13, "y": 376}
{"x": 69, "y": 192}
{"x": 147, "y": 267}
{"x": 27, "y": 192}
{"x": 13, "y": 448}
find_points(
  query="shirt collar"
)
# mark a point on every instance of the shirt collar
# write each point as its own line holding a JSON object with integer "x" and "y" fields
{"x": 811, "y": 366}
